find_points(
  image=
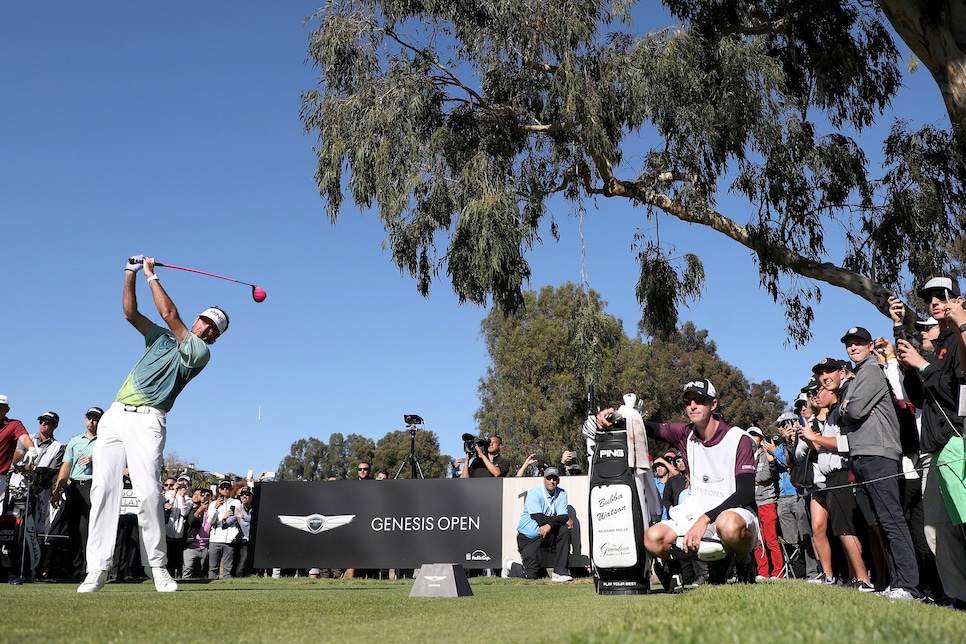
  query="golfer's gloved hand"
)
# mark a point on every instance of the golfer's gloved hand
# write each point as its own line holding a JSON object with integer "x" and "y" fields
{"x": 32, "y": 454}
{"x": 134, "y": 263}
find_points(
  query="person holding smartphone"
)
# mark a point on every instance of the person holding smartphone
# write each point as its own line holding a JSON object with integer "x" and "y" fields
{"x": 225, "y": 533}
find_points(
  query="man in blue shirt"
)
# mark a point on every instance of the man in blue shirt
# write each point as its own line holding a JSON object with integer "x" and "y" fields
{"x": 545, "y": 522}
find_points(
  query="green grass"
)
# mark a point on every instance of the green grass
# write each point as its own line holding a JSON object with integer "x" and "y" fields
{"x": 309, "y": 610}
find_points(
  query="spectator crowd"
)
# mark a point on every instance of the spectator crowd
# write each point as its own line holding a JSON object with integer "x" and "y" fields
{"x": 860, "y": 484}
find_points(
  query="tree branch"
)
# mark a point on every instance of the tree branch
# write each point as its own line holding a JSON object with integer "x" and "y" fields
{"x": 453, "y": 79}
{"x": 826, "y": 272}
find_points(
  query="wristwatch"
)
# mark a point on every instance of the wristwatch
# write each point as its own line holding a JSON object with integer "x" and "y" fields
{"x": 962, "y": 328}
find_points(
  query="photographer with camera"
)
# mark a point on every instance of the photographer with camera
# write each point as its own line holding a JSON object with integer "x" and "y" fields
{"x": 487, "y": 461}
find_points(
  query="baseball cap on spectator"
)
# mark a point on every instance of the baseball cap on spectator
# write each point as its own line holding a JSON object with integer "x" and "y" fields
{"x": 928, "y": 323}
{"x": 801, "y": 401}
{"x": 551, "y": 471}
{"x": 51, "y": 416}
{"x": 3, "y": 400}
{"x": 754, "y": 431}
{"x": 184, "y": 477}
{"x": 809, "y": 387}
{"x": 826, "y": 364}
{"x": 787, "y": 416}
{"x": 939, "y": 286}
{"x": 701, "y": 386}
{"x": 225, "y": 483}
{"x": 669, "y": 456}
{"x": 94, "y": 411}
{"x": 857, "y": 332}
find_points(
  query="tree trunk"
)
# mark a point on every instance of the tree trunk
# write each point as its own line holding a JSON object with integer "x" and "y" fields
{"x": 935, "y": 30}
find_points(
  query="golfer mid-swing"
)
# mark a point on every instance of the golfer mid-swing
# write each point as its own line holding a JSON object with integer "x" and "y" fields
{"x": 133, "y": 430}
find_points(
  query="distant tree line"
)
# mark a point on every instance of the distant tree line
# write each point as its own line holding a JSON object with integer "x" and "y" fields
{"x": 534, "y": 393}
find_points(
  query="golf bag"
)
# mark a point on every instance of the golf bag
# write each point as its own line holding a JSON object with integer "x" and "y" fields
{"x": 617, "y": 520}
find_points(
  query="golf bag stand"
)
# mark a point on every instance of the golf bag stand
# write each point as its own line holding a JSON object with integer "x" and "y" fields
{"x": 620, "y": 563}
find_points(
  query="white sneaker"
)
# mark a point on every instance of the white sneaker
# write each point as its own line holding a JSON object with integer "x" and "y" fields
{"x": 556, "y": 577}
{"x": 163, "y": 582}
{"x": 507, "y": 565}
{"x": 94, "y": 581}
{"x": 899, "y": 593}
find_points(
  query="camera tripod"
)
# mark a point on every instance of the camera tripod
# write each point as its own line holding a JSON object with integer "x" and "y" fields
{"x": 414, "y": 467}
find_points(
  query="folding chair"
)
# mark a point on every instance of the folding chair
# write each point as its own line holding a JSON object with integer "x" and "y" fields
{"x": 791, "y": 554}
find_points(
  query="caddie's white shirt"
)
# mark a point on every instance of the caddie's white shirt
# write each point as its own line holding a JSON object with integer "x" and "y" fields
{"x": 716, "y": 465}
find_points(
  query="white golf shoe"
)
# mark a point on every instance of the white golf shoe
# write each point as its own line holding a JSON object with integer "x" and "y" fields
{"x": 163, "y": 582}
{"x": 94, "y": 581}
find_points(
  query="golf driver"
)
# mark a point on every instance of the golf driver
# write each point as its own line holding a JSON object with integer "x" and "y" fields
{"x": 258, "y": 293}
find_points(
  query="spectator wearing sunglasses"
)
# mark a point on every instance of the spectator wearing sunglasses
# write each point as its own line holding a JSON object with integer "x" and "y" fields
{"x": 72, "y": 490}
{"x": 676, "y": 482}
{"x": 243, "y": 563}
{"x": 545, "y": 522}
{"x": 363, "y": 473}
{"x": 225, "y": 533}
{"x": 177, "y": 506}
{"x": 50, "y": 454}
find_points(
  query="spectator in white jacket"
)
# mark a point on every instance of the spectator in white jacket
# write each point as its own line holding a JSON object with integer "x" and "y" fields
{"x": 177, "y": 505}
{"x": 225, "y": 533}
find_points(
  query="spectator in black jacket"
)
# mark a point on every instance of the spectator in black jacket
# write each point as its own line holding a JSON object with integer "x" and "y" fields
{"x": 933, "y": 386}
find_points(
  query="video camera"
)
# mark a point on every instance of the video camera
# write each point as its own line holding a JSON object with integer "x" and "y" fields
{"x": 470, "y": 443}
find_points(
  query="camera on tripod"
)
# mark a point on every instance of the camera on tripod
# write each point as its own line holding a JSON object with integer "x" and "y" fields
{"x": 470, "y": 443}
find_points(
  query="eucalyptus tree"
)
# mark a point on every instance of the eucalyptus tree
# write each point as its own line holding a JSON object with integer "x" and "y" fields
{"x": 534, "y": 393}
{"x": 459, "y": 120}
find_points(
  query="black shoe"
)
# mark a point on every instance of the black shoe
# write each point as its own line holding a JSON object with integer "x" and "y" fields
{"x": 719, "y": 572}
{"x": 746, "y": 571}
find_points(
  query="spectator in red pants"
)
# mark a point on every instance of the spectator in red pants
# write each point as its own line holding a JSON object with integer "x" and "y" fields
{"x": 769, "y": 557}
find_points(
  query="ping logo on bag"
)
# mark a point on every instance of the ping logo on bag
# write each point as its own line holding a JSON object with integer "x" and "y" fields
{"x": 612, "y": 453}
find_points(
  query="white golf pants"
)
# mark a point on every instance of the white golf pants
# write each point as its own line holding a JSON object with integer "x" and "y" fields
{"x": 133, "y": 437}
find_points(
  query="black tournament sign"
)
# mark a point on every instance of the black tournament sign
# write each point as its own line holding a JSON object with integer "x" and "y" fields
{"x": 379, "y": 524}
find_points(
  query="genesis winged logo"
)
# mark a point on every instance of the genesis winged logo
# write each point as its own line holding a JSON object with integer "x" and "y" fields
{"x": 316, "y": 523}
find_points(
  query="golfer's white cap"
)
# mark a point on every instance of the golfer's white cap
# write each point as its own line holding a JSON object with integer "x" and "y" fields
{"x": 217, "y": 316}
{"x": 3, "y": 400}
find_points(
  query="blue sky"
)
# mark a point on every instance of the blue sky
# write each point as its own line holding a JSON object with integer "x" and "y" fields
{"x": 172, "y": 129}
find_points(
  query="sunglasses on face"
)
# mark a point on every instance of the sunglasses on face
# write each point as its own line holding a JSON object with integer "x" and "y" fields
{"x": 47, "y": 422}
{"x": 93, "y": 418}
{"x": 553, "y": 478}
{"x": 363, "y": 469}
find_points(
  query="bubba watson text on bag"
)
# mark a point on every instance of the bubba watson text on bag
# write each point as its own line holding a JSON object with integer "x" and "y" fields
{"x": 616, "y": 520}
